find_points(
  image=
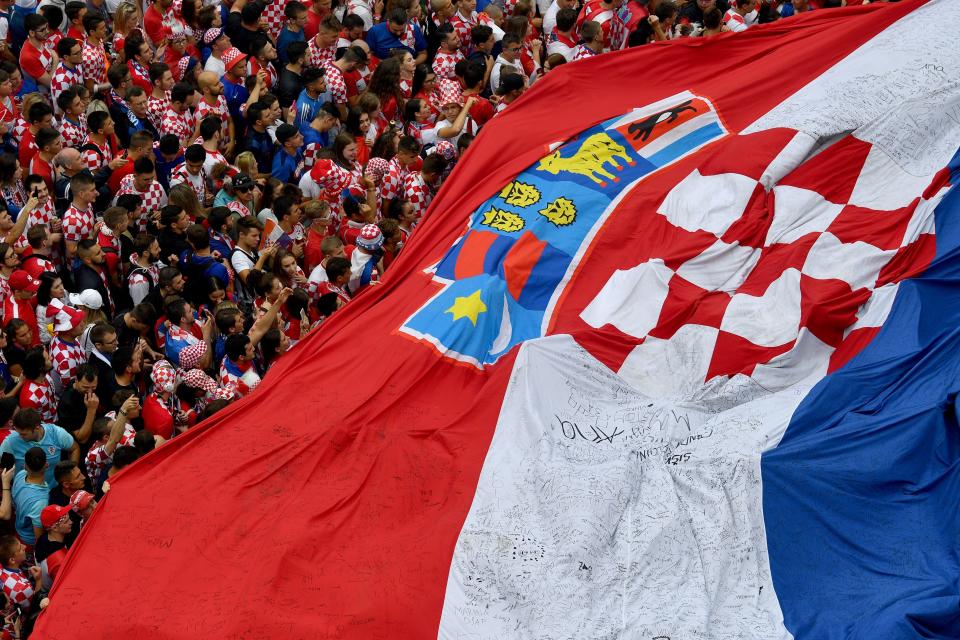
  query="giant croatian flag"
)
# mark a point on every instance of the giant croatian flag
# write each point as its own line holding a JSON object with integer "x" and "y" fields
{"x": 673, "y": 356}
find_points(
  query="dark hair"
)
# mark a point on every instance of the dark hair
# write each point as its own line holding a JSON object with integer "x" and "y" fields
{"x": 256, "y": 111}
{"x": 236, "y": 345}
{"x": 195, "y": 153}
{"x": 35, "y": 459}
{"x": 177, "y": 310}
{"x": 566, "y": 18}
{"x": 168, "y": 275}
{"x": 156, "y": 71}
{"x": 131, "y": 46}
{"x": 97, "y": 120}
{"x": 198, "y": 237}
{"x": 124, "y": 456}
{"x": 34, "y": 21}
{"x": 251, "y": 12}
{"x": 480, "y": 34}
{"x": 293, "y": 9}
{"x": 91, "y": 21}
{"x": 144, "y": 313}
{"x": 169, "y": 145}
{"x": 144, "y": 165}
{"x": 474, "y": 74}
{"x": 180, "y": 92}
{"x": 226, "y": 319}
{"x": 73, "y": 9}
{"x": 270, "y": 346}
{"x": 47, "y": 280}
{"x": 144, "y": 442}
{"x": 434, "y": 164}
{"x": 46, "y": 135}
{"x": 169, "y": 214}
{"x": 8, "y": 167}
{"x": 336, "y": 267}
{"x": 408, "y": 144}
{"x": 64, "y": 46}
{"x": 63, "y": 469}
{"x": 122, "y": 359}
{"x": 218, "y": 217}
{"x": 398, "y": 16}
{"x": 100, "y": 331}
{"x": 34, "y": 363}
{"x": 130, "y": 202}
{"x": 712, "y": 18}
{"x": 209, "y": 126}
{"x": 296, "y": 51}
{"x": 38, "y": 111}
{"x": 27, "y": 418}
{"x": 86, "y": 371}
{"x": 311, "y": 75}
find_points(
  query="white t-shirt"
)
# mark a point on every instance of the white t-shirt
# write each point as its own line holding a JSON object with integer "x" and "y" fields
{"x": 241, "y": 261}
{"x": 550, "y": 18}
{"x": 216, "y": 65}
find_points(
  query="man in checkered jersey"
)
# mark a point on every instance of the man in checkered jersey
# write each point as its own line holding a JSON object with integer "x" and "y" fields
{"x": 213, "y": 103}
{"x": 420, "y": 186}
{"x": 37, "y": 391}
{"x": 79, "y": 222}
{"x": 391, "y": 188}
{"x": 66, "y": 354}
{"x": 69, "y": 71}
{"x": 143, "y": 182}
{"x": 449, "y": 54}
{"x": 18, "y": 586}
{"x": 191, "y": 172}
{"x": 177, "y": 119}
{"x": 352, "y": 58}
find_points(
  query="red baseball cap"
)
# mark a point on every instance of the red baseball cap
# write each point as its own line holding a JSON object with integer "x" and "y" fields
{"x": 23, "y": 281}
{"x": 53, "y": 514}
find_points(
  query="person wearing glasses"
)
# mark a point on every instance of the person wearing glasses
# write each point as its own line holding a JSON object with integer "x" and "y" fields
{"x": 36, "y": 60}
{"x": 509, "y": 56}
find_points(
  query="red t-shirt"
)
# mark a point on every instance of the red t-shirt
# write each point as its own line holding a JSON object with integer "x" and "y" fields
{"x": 153, "y": 24}
{"x": 28, "y": 149}
{"x": 156, "y": 417}
{"x": 42, "y": 168}
{"x": 33, "y": 61}
{"x": 482, "y": 111}
{"x": 118, "y": 175}
{"x": 313, "y": 24}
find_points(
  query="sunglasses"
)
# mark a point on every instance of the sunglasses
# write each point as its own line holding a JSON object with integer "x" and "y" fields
{"x": 244, "y": 189}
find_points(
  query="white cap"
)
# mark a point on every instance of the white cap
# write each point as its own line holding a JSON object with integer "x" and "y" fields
{"x": 89, "y": 298}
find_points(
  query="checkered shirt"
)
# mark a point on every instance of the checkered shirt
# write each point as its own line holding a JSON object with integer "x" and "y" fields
{"x": 220, "y": 109}
{"x": 41, "y": 215}
{"x": 444, "y": 64}
{"x": 17, "y": 588}
{"x": 77, "y": 224}
{"x": 39, "y": 397}
{"x": 20, "y": 127}
{"x": 180, "y": 175}
{"x": 463, "y": 26}
{"x": 335, "y": 84}
{"x": 274, "y": 18}
{"x": 417, "y": 192}
{"x": 156, "y": 108}
{"x": 582, "y": 52}
{"x": 66, "y": 357}
{"x": 73, "y": 133}
{"x": 92, "y": 159}
{"x": 392, "y": 185}
{"x": 316, "y": 57}
{"x": 239, "y": 208}
{"x": 97, "y": 458}
{"x": 406, "y": 88}
{"x": 94, "y": 66}
{"x": 154, "y": 198}
{"x": 179, "y": 124}
{"x": 62, "y": 80}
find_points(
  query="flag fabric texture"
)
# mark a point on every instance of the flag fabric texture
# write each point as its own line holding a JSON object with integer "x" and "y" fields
{"x": 673, "y": 355}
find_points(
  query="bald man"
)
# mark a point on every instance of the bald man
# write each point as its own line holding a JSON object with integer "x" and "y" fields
{"x": 69, "y": 162}
{"x": 212, "y": 102}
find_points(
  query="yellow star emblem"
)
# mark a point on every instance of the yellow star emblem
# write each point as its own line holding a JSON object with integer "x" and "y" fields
{"x": 469, "y": 306}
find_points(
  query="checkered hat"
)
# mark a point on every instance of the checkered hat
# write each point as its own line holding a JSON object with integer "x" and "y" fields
{"x": 377, "y": 168}
{"x": 232, "y": 57}
{"x": 181, "y": 68}
{"x": 164, "y": 376}
{"x": 370, "y": 238}
{"x": 190, "y": 356}
{"x": 68, "y": 319}
{"x": 210, "y": 35}
{"x": 223, "y": 393}
{"x": 198, "y": 379}
{"x": 448, "y": 92}
{"x": 330, "y": 176}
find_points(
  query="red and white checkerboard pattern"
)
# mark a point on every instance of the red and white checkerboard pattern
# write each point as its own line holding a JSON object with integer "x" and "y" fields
{"x": 92, "y": 159}
{"x": 335, "y": 84}
{"x": 66, "y": 356}
{"x": 392, "y": 185}
{"x": 77, "y": 224}
{"x": 781, "y": 253}
{"x": 63, "y": 79}
{"x": 39, "y": 397}
{"x": 179, "y": 124}
{"x": 273, "y": 17}
{"x": 417, "y": 192}
{"x": 219, "y": 109}
{"x": 317, "y": 56}
{"x": 445, "y": 63}
{"x": 16, "y": 587}
{"x": 154, "y": 198}
{"x": 156, "y": 108}
{"x": 74, "y": 133}
{"x": 94, "y": 64}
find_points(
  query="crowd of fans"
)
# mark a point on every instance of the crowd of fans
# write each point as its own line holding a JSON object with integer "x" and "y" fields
{"x": 189, "y": 187}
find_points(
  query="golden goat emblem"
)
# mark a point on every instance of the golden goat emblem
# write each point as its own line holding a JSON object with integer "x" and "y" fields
{"x": 589, "y": 160}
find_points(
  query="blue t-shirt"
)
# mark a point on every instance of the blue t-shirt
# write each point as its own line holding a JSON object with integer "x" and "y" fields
{"x": 55, "y": 440}
{"x": 28, "y": 501}
{"x": 381, "y": 41}
{"x": 283, "y": 41}
{"x": 236, "y": 96}
{"x": 307, "y": 109}
{"x": 285, "y": 165}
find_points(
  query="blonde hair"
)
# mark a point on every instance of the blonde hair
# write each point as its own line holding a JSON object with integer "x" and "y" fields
{"x": 186, "y": 198}
{"x": 247, "y": 163}
{"x": 126, "y": 18}
{"x": 28, "y": 101}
